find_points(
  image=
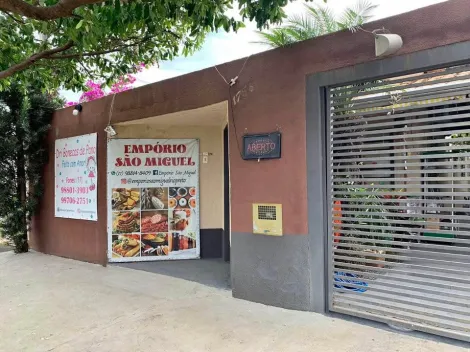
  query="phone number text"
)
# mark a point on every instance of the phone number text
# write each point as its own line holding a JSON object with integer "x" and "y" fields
{"x": 131, "y": 173}
{"x": 72, "y": 190}
{"x": 74, "y": 200}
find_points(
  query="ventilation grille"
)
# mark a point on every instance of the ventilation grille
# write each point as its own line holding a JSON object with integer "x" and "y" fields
{"x": 267, "y": 219}
{"x": 267, "y": 212}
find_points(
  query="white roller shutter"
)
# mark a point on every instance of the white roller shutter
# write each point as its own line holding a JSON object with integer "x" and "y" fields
{"x": 399, "y": 195}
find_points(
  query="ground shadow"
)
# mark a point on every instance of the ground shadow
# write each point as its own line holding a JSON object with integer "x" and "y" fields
{"x": 5, "y": 248}
{"x": 209, "y": 272}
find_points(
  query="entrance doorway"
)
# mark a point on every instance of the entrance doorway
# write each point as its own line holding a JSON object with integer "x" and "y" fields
{"x": 207, "y": 125}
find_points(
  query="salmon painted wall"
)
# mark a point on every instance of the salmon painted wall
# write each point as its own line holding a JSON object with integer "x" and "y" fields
{"x": 269, "y": 96}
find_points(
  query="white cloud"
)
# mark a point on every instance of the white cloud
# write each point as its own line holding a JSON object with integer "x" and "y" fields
{"x": 154, "y": 74}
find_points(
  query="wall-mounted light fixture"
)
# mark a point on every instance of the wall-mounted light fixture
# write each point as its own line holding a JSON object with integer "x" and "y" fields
{"x": 387, "y": 44}
{"x": 78, "y": 109}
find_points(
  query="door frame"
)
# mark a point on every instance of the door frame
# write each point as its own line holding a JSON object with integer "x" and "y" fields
{"x": 226, "y": 232}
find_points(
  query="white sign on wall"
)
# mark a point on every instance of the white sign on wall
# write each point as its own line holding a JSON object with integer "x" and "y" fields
{"x": 153, "y": 199}
{"x": 76, "y": 177}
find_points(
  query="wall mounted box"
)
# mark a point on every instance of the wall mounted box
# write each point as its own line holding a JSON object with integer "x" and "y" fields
{"x": 267, "y": 219}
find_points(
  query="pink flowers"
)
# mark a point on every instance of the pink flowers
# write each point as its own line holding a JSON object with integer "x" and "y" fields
{"x": 124, "y": 83}
{"x": 95, "y": 91}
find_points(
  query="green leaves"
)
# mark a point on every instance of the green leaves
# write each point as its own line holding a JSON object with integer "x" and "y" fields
{"x": 318, "y": 20}
{"x": 117, "y": 6}
{"x": 111, "y": 37}
{"x": 357, "y": 15}
{"x": 146, "y": 11}
{"x": 25, "y": 116}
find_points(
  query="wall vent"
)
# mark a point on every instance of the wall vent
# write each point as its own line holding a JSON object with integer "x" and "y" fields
{"x": 267, "y": 219}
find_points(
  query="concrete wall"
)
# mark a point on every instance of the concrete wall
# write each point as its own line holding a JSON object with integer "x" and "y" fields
{"x": 270, "y": 95}
{"x": 271, "y": 270}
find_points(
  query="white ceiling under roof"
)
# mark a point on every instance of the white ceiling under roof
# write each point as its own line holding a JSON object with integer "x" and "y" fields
{"x": 210, "y": 115}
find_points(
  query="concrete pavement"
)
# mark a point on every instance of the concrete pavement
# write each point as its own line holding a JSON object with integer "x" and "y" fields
{"x": 54, "y": 304}
{"x": 4, "y": 247}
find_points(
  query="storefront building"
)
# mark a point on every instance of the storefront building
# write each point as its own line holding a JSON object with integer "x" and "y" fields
{"x": 314, "y": 95}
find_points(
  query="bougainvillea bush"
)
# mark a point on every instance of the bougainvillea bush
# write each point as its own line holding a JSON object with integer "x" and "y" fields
{"x": 95, "y": 89}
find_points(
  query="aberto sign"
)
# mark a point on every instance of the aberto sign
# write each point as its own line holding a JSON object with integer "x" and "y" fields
{"x": 262, "y": 146}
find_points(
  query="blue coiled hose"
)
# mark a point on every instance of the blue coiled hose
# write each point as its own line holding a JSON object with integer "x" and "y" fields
{"x": 349, "y": 281}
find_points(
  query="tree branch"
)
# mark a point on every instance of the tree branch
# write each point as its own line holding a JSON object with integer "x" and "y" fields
{"x": 14, "y": 18}
{"x": 33, "y": 59}
{"x": 64, "y": 8}
{"x": 86, "y": 69}
{"x": 95, "y": 53}
{"x": 51, "y": 55}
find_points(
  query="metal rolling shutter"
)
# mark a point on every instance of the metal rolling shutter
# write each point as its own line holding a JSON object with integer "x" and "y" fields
{"x": 400, "y": 211}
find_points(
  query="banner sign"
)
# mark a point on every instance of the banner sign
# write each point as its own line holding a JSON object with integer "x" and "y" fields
{"x": 262, "y": 146}
{"x": 153, "y": 199}
{"x": 76, "y": 178}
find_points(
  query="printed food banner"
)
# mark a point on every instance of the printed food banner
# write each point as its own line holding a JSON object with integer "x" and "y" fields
{"x": 76, "y": 178}
{"x": 153, "y": 199}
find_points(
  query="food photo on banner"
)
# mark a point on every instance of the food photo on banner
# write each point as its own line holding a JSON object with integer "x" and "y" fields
{"x": 154, "y": 200}
{"x": 76, "y": 177}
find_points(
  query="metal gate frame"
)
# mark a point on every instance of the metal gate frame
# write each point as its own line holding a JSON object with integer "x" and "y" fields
{"x": 318, "y": 156}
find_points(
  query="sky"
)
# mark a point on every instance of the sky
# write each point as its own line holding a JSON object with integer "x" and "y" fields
{"x": 223, "y": 47}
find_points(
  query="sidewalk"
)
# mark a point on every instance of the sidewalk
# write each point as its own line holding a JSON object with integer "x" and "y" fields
{"x": 4, "y": 247}
{"x": 54, "y": 304}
